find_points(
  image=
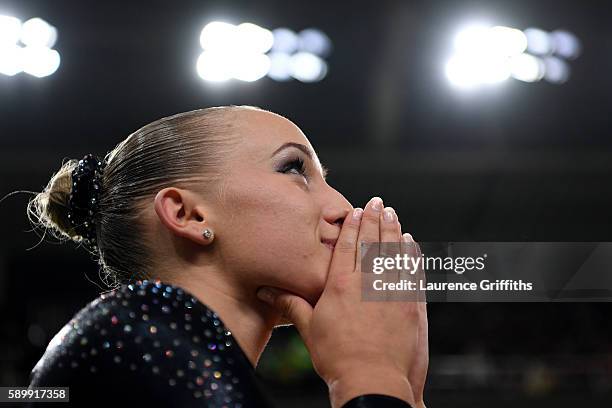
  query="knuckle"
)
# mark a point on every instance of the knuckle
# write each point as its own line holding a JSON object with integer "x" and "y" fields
{"x": 352, "y": 226}
{"x": 370, "y": 216}
{"x": 345, "y": 246}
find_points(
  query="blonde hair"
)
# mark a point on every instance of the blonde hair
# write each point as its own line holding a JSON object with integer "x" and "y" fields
{"x": 177, "y": 150}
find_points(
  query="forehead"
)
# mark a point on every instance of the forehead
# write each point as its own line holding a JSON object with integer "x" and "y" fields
{"x": 261, "y": 133}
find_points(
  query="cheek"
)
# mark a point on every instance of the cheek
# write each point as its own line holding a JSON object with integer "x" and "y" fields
{"x": 272, "y": 237}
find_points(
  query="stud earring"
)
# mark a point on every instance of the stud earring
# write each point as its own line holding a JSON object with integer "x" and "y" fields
{"x": 208, "y": 234}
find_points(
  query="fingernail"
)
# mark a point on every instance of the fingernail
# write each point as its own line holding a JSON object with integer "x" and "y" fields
{"x": 376, "y": 203}
{"x": 357, "y": 213}
{"x": 407, "y": 237}
{"x": 388, "y": 214}
{"x": 266, "y": 295}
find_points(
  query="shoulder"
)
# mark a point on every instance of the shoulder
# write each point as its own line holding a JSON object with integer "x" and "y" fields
{"x": 152, "y": 341}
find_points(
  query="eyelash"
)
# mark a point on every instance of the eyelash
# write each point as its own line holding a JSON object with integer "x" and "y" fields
{"x": 296, "y": 163}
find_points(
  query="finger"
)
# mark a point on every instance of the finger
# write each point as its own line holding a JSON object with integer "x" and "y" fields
{"x": 409, "y": 247}
{"x": 390, "y": 231}
{"x": 421, "y": 276}
{"x": 413, "y": 250}
{"x": 389, "y": 241}
{"x": 423, "y": 337}
{"x": 417, "y": 374}
{"x": 409, "y": 258}
{"x": 345, "y": 251}
{"x": 369, "y": 230}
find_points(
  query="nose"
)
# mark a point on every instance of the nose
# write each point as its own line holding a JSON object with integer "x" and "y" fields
{"x": 335, "y": 207}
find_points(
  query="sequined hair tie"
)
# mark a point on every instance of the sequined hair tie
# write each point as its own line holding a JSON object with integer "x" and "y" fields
{"x": 84, "y": 198}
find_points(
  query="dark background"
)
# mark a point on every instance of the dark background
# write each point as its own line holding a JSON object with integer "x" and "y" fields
{"x": 516, "y": 162}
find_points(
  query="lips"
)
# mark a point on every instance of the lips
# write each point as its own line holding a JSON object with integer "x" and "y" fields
{"x": 330, "y": 243}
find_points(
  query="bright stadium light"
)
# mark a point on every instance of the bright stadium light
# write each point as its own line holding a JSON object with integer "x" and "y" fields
{"x": 482, "y": 55}
{"x": 538, "y": 41}
{"x": 10, "y": 30}
{"x": 253, "y": 38}
{"x": 285, "y": 40}
{"x": 491, "y": 54}
{"x": 11, "y": 60}
{"x": 527, "y": 68}
{"x": 36, "y": 32}
{"x": 251, "y": 67}
{"x": 507, "y": 41}
{"x": 556, "y": 70}
{"x": 498, "y": 40}
{"x": 218, "y": 35}
{"x": 468, "y": 71}
{"x": 40, "y": 61}
{"x": 280, "y": 66}
{"x": 314, "y": 41}
{"x": 307, "y": 67}
{"x": 565, "y": 44}
{"x": 239, "y": 52}
{"x": 26, "y": 47}
{"x": 460, "y": 73}
{"x": 219, "y": 66}
{"x": 214, "y": 66}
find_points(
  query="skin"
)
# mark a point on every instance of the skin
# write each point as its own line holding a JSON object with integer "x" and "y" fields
{"x": 269, "y": 222}
{"x": 268, "y": 229}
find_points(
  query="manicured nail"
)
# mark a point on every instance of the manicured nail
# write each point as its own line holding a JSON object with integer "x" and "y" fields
{"x": 376, "y": 203}
{"x": 357, "y": 213}
{"x": 388, "y": 214}
{"x": 407, "y": 237}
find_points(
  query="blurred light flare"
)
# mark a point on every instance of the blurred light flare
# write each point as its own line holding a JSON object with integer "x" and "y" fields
{"x": 538, "y": 41}
{"x": 565, "y": 44}
{"x": 497, "y": 40}
{"x": 218, "y": 35}
{"x": 280, "y": 66}
{"x": 10, "y": 30}
{"x": 285, "y": 40}
{"x": 485, "y": 54}
{"x": 253, "y": 38}
{"x": 36, "y": 32}
{"x": 527, "y": 68}
{"x": 556, "y": 70}
{"x": 40, "y": 61}
{"x": 307, "y": 67}
{"x": 11, "y": 60}
{"x": 215, "y": 66}
{"x": 239, "y": 52}
{"x": 251, "y": 67}
{"x": 314, "y": 42}
{"x": 26, "y": 47}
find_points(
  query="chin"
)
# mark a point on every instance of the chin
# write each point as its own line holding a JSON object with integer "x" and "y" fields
{"x": 311, "y": 286}
{"x": 315, "y": 294}
{"x": 312, "y": 293}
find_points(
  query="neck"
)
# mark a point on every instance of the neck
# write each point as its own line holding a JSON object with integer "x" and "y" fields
{"x": 250, "y": 320}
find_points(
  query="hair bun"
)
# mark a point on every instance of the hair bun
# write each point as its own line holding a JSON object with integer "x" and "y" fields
{"x": 67, "y": 206}
{"x": 84, "y": 198}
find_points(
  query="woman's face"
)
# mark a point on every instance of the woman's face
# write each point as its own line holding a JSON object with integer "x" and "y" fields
{"x": 277, "y": 209}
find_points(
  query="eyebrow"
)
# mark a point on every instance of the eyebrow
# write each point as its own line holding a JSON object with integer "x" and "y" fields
{"x": 306, "y": 151}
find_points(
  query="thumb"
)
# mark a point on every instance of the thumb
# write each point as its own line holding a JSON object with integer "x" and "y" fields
{"x": 291, "y": 306}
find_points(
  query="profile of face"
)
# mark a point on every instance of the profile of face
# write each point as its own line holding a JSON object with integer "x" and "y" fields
{"x": 276, "y": 211}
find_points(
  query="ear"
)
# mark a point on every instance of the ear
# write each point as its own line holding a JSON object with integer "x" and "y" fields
{"x": 179, "y": 211}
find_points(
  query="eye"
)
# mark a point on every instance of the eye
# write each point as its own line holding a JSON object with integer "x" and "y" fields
{"x": 296, "y": 166}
